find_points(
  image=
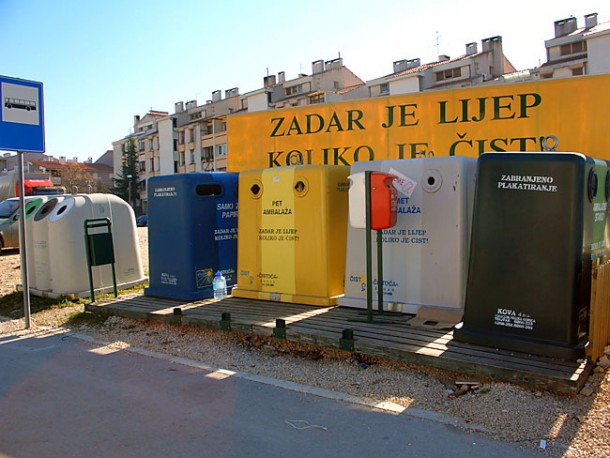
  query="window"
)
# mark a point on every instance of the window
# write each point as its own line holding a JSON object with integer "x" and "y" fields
{"x": 221, "y": 150}
{"x": 143, "y": 166}
{"x": 181, "y": 137}
{"x": 294, "y": 90}
{"x": 573, "y": 48}
{"x": 578, "y": 71}
{"x": 384, "y": 88}
{"x": 141, "y": 145}
{"x": 152, "y": 164}
{"x": 192, "y": 157}
{"x": 317, "y": 98}
{"x": 448, "y": 74}
{"x": 182, "y": 159}
{"x": 207, "y": 153}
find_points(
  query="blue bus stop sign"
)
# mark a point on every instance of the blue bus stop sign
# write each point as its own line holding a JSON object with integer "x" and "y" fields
{"x": 21, "y": 115}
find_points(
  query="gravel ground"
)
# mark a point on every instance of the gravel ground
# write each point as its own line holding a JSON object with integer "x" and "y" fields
{"x": 556, "y": 425}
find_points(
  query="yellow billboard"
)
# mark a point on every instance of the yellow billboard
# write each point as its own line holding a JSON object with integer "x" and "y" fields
{"x": 569, "y": 114}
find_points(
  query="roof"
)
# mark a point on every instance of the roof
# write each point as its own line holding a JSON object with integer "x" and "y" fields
{"x": 85, "y": 167}
{"x": 579, "y": 33}
{"x": 598, "y": 29}
{"x": 424, "y": 67}
{"x": 575, "y": 58}
{"x": 347, "y": 89}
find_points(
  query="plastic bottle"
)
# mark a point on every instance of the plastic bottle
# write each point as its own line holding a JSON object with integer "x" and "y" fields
{"x": 220, "y": 286}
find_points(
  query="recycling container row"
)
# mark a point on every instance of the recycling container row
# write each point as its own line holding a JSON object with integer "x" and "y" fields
{"x": 521, "y": 282}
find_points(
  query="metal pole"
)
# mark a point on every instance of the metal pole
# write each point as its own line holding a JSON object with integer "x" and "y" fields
{"x": 22, "y": 247}
{"x": 369, "y": 256}
{"x": 214, "y": 141}
{"x": 380, "y": 271}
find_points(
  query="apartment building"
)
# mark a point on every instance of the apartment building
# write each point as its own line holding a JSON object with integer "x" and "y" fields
{"x": 576, "y": 51}
{"x": 472, "y": 68}
{"x": 202, "y": 132}
{"x": 149, "y": 132}
{"x": 330, "y": 81}
{"x": 194, "y": 137}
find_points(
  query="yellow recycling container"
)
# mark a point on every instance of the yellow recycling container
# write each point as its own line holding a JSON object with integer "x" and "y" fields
{"x": 292, "y": 228}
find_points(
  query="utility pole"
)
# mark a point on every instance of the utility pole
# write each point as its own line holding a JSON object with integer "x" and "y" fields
{"x": 129, "y": 177}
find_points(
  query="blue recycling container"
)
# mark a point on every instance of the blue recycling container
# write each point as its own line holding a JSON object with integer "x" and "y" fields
{"x": 192, "y": 233}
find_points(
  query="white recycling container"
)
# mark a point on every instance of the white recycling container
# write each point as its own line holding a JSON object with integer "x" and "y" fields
{"x": 37, "y": 239}
{"x": 425, "y": 255}
{"x": 32, "y": 205}
{"x": 66, "y": 245}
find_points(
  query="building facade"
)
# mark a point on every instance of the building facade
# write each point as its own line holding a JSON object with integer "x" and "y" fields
{"x": 194, "y": 137}
{"x": 473, "y": 68}
{"x": 577, "y": 51}
{"x": 75, "y": 176}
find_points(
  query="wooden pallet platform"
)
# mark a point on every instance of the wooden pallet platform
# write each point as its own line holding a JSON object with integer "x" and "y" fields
{"x": 389, "y": 336}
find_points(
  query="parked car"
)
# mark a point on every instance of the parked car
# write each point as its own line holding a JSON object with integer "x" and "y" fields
{"x": 142, "y": 221}
{"x": 9, "y": 223}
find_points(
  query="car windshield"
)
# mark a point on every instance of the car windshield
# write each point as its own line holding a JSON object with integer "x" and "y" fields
{"x": 8, "y": 207}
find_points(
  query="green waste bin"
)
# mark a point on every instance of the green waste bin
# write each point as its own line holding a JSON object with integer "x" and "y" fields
{"x": 529, "y": 279}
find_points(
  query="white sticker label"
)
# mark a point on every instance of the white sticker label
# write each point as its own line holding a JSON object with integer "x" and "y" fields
{"x": 511, "y": 319}
{"x": 403, "y": 183}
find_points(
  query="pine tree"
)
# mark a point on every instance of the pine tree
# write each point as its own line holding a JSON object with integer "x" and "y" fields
{"x": 128, "y": 176}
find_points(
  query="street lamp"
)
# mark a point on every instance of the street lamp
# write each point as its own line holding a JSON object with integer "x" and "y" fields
{"x": 214, "y": 142}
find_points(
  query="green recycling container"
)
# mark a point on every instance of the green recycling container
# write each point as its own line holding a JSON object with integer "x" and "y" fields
{"x": 529, "y": 277}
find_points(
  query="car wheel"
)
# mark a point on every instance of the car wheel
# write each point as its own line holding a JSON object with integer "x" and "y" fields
{"x": 1, "y": 245}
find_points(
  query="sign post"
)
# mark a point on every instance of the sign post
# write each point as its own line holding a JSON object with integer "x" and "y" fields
{"x": 22, "y": 130}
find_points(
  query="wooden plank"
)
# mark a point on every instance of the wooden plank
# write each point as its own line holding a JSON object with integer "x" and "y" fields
{"x": 443, "y": 344}
{"x": 439, "y": 336}
{"x": 479, "y": 355}
{"x": 392, "y": 339}
{"x": 411, "y": 341}
{"x": 599, "y": 322}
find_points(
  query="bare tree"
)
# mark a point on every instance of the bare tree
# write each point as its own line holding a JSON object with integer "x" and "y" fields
{"x": 75, "y": 178}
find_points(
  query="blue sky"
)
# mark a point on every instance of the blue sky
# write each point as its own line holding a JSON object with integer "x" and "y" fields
{"x": 101, "y": 62}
